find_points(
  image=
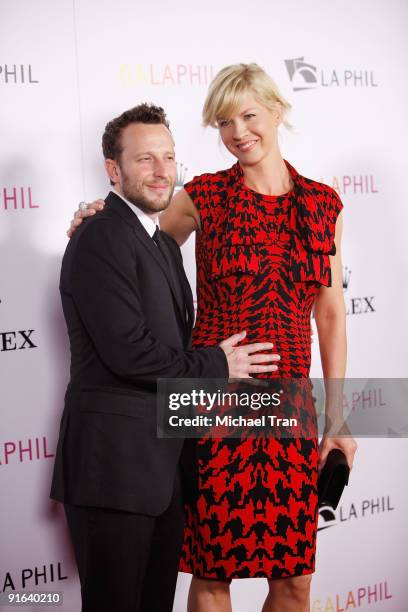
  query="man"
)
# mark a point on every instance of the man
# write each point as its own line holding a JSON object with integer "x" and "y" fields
{"x": 129, "y": 313}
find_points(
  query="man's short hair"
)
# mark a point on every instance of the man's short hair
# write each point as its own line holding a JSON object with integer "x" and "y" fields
{"x": 143, "y": 113}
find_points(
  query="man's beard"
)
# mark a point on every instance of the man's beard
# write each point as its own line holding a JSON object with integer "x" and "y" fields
{"x": 135, "y": 195}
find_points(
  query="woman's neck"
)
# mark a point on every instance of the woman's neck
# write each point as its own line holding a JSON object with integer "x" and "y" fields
{"x": 270, "y": 176}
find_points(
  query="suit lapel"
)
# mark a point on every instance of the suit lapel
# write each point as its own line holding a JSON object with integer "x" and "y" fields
{"x": 115, "y": 203}
{"x": 188, "y": 317}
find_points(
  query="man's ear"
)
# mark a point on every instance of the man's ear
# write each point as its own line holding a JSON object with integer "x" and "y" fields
{"x": 113, "y": 170}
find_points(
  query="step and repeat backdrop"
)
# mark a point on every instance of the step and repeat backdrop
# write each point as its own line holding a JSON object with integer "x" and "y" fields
{"x": 68, "y": 67}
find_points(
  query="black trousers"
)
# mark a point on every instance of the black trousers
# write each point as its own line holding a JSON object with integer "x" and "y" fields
{"x": 127, "y": 562}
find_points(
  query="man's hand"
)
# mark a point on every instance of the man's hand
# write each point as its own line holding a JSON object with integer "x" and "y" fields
{"x": 246, "y": 360}
{"x": 82, "y": 214}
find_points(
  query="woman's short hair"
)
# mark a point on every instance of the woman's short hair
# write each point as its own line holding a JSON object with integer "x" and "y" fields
{"x": 229, "y": 86}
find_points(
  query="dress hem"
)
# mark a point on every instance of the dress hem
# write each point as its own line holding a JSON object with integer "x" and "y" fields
{"x": 246, "y": 577}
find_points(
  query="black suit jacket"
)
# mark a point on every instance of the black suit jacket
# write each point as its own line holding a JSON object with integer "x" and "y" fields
{"x": 126, "y": 329}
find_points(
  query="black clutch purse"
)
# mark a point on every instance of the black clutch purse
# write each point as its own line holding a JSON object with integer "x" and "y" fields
{"x": 333, "y": 478}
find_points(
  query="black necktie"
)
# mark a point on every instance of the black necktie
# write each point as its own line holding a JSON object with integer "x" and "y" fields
{"x": 164, "y": 250}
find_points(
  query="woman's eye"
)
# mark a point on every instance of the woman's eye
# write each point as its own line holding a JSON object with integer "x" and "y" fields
{"x": 223, "y": 122}
{"x": 249, "y": 115}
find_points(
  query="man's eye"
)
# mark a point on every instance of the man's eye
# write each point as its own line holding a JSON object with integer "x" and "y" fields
{"x": 249, "y": 115}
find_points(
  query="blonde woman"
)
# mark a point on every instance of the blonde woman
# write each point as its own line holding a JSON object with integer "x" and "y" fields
{"x": 267, "y": 252}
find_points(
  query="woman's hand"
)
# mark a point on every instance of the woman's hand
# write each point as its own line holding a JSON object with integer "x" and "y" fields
{"x": 82, "y": 214}
{"x": 344, "y": 442}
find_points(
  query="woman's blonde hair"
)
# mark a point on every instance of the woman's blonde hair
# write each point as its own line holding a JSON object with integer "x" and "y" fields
{"x": 232, "y": 83}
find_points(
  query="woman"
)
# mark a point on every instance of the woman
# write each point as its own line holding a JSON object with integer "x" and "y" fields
{"x": 267, "y": 251}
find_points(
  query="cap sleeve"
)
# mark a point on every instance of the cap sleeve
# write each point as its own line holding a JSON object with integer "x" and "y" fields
{"x": 334, "y": 209}
{"x": 199, "y": 190}
{"x": 331, "y": 209}
{"x": 313, "y": 233}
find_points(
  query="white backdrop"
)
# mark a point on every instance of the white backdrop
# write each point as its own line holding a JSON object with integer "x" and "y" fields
{"x": 68, "y": 67}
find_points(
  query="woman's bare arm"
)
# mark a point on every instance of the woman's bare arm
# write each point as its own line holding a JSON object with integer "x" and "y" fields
{"x": 330, "y": 315}
{"x": 180, "y": 218}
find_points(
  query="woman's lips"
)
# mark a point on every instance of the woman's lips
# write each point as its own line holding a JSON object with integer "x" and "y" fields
{"x": 244, "y": 147}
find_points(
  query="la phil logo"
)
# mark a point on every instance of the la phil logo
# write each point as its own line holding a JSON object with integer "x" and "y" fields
{"x": 367, "y": 507}
{"x": 131, "y": 75}
{"x": 304, "y": 76}
{"x": 24, "y": 451}
{"x": 358, "y": 597}
{"x": 353, "y": 184}
{"x": 356, "y": 305}
{"x": 17, "y": 74}
{"x": 17, "y": 198}
{"x": 30, "y": 577}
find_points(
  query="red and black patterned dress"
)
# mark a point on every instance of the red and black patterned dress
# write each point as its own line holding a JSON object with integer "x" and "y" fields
{"x": 260, "y": 263}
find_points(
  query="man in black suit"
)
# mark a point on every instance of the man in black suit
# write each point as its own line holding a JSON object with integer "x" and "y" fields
{"x": 129, "y": 313}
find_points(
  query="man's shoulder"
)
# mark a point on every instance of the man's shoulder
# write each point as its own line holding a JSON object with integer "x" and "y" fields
{"x": 105, "y": 233}
{"x": 103, "y": 224}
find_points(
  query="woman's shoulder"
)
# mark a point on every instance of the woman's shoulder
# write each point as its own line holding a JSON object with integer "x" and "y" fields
{"x": 320, "y": 197}
{"x": 318, "y": 190}
{"x": 314, "y": 193}
{"x": 209, "y": 181}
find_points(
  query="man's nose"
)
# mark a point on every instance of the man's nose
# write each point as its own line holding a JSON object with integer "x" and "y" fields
{"x": 159, "y": 168}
